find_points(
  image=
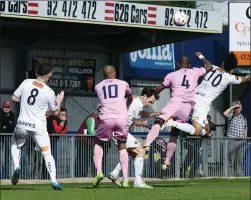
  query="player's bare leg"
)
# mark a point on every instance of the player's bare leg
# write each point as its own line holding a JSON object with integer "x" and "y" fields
{"x": 98, "y": 156}
{"x": 153, "y": 134}
{"x": 123, "y": 156}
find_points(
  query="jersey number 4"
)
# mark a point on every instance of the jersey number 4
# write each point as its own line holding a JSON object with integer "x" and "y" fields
{"x": 185, "y": 82}
{"x": 109, "y": 90}
{"x": 32, "y": 98}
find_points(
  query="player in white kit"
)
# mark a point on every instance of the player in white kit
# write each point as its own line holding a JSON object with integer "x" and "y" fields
{"x": 211, "y": 87}
{"x": 148, "y": 97}
{"x": 35, "y": 97}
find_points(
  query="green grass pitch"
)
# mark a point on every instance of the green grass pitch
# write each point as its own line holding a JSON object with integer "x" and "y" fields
{"x": 206, "y": 189}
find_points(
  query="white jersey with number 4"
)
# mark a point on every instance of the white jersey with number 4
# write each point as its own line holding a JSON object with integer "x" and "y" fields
{"x": 214, "y": 83}
{"x": 35, "y": 97}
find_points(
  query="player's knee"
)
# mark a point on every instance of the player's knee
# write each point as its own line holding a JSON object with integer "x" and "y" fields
{"x": 140, "y": 152}
{"x": 159, "y": 121}
{"x": 137, "y": 152}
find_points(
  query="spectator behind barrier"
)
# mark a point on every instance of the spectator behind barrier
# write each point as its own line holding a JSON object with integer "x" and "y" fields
{"x": 237, "y": 128}
{"x": 33, "y": 72}
{"x": 85, "y": 145}
{"x": 8, "y": 118}
{"x": 50, "y": 118}
{"x": 60, "y": 122}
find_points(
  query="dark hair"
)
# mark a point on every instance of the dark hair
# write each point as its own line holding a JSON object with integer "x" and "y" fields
{"x": 230, "y": 62}
{"x": 184, "y": 60}
{"x": 63, "y": 109}
{"x": 34, "y": 62}
{"x": 150, "y": 91}
{"x": 44, "y": 69}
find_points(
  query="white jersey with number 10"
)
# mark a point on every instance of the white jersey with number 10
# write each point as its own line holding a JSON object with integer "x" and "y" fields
{"x": 35, "y": 98}
{"x": 214, "y": 83}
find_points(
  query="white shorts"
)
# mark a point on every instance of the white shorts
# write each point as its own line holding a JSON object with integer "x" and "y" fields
{"x": 200, "y": 113}
{"x": 131, "y": 142}
{"x": 20, "y": 134}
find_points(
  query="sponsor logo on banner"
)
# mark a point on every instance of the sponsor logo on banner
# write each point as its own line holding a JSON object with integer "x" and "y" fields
{"x": 161, "y": 57}
{"x": 239, "y": 31}
{"x": 114, "y": 13}
{"x": 132, "y": 13}
{"x": 19, "y": 7}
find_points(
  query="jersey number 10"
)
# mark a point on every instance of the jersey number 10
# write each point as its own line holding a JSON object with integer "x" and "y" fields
{"x": 217, "y": 79}
{"x": 109, "y": 90}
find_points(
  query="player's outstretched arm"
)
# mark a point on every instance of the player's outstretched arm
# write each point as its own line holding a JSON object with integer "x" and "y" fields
{"x": 160, "y": 88}
{"x": 207, "y": 64}
{"x": 145, "y": 114}
{"x": 138, "y": 122}
{"x": 246, "y": 78}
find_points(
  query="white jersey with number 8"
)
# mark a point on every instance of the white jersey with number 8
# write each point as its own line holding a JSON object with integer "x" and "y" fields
{"x": 214, "y": 83}
{"x": 35, "y": 97}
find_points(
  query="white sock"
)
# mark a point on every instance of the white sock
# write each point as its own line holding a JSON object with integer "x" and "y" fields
{"x": 183, "y": 127}
{"x": 116, "y": 171}
{"x": 203, "y": 132}
{"x": 138, "y": 167}
{"x": 16, "y": 155}
{"x": 51, "y": 167}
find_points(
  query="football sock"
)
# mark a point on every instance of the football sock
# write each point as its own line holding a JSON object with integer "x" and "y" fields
{"x": 98, "y": 155}
{"x": 124, "y": 163}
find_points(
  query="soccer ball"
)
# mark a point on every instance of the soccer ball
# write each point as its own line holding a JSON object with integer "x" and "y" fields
{"x": 180, "y": 18}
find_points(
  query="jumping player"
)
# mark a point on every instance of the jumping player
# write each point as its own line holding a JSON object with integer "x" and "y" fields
{"x": 35, "y": 97}
{"x": 211, "y": 87}
{"x": 182, "y": 84}
{"x": 148, "y": 97}
{"x": 113, "y": 118}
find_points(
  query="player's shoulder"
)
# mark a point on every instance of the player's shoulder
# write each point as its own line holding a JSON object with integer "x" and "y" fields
{"x": 219, "y": 69}
{"x": 27, "y": 81}
{"x": 121, "y": 81}
{"x": 136, "y": 103}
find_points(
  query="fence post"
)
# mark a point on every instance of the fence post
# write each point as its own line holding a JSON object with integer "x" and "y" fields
{"x": 205, "y": 156}
{"x": 72, "y": 158}
{"x": 177, "y": 158}
{"x": 225, "y": 157}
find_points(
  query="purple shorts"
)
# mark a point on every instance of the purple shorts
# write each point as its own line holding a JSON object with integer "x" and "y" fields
{"x": 106, "y": 127}
{"x": 178, "y": 111}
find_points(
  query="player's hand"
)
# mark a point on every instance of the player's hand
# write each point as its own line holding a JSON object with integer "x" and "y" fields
{"x": 144, "y": 123}
{"x": 248, "y": 77}
{"x": 60, "y": 97}
{"x": 198, "y": 54}
{"x": 157, "y": 114}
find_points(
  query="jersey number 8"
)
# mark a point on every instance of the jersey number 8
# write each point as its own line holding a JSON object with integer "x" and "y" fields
{"x": 32, "y": 98}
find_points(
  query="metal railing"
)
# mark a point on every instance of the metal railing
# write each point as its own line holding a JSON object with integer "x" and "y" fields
{"x": 194, "y": 157}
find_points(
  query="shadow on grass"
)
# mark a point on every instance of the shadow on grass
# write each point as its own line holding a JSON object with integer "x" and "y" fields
{"x": 168, "y": 185}
{"x": 100, "y": 187}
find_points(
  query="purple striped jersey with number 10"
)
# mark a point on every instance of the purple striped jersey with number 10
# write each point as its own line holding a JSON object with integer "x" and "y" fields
{"x": 111, "y": 93}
